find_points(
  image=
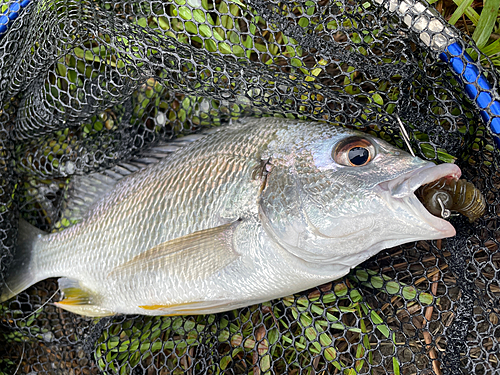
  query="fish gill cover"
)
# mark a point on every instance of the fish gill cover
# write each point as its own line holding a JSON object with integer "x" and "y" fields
{"x": 87, "y": 85}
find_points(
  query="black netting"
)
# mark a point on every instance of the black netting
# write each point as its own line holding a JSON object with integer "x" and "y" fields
{"x": 85, "y": 85}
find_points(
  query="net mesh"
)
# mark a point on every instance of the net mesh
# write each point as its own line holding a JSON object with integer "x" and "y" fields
{"x": 85, "y": 85}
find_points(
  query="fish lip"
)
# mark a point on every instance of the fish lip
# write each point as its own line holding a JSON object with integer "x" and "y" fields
{"x": 403, "y": 189}
{"x": 407, "y": 183}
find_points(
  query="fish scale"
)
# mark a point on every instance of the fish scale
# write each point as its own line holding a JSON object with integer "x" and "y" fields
{"x": 206, "y": 230}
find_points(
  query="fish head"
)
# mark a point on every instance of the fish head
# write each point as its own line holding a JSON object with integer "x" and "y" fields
{"x": 337, "y": 196}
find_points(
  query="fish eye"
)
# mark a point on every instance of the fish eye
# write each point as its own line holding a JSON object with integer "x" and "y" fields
{"x": 358, "y": 155}
{"x": 354, "y": 152}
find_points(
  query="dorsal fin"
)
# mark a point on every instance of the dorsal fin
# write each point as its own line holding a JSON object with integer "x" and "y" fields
{"x": 84, "y": 191}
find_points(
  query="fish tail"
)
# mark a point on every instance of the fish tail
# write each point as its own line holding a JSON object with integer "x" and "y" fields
{"x": 21, "y": 273}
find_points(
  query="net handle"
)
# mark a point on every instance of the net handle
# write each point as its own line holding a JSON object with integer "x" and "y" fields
{"x": 462, "y": 64}
{"x": 441, "y": 39}
{"x": 10, "y": 14}
{"x": 433, "y": 32}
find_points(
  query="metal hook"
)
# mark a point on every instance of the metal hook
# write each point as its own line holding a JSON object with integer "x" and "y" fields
{"x": 405, "y": 135}
{"x": 445, "y": 213}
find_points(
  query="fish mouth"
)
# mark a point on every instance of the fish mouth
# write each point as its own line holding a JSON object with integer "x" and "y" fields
{"x": 402, "y": 189}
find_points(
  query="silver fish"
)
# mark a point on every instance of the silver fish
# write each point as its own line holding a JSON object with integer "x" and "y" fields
{"x": 252, "y": 212}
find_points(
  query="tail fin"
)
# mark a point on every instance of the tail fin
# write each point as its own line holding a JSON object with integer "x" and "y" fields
{"x": 21, "y": 273}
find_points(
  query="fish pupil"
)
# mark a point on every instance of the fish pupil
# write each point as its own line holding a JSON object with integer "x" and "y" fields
{"x": 358, "y": 155}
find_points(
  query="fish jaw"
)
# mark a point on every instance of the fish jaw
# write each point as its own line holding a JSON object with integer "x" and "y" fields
{"x": 399, "y": 193}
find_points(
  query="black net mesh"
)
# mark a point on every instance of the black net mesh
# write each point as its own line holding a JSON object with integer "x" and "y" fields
{"x": 85, "y": 85}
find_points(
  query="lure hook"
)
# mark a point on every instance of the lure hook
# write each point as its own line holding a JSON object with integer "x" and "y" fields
{"x": 445, "y": 213}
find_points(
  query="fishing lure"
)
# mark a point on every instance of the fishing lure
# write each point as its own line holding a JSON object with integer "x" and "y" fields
{"x": 442, "y": 196}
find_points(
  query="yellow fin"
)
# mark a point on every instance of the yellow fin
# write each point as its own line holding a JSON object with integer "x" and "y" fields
{"x": 86, "y": 310}
{"x": 79, "y": 300}
{"x": 186, "y": 308}
{"x": 73, "y": 292}
{"x": 166, "y": 306}
{"x": 197, "y": 255}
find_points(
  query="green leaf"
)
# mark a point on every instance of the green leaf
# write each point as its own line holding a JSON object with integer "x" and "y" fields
{"x": 265, "y": 363}
{"x": 219, "y": 34}
{"x": 378, "y": 322}
{"x": 429, "y": 152}
{"x": 395, "y": 366}
{"x": 460, "y": 11}
{"x": 210, "y": 45}
{"x": 356, "y": 296}
{"x": 304, "y": 22}
{"x": 392, "y": 287}
{"x": 199, "y": 15}
{"x": 340, "y": 289}
{"x": 163, "y": 22}
{"x": 185, "y": 13}
{"x": 72, "y": 76}
{"x": 492, "y": 48}
{"x": 325, "y": 340}
{"x": 469, "y": 12}
{"x": 205, "y": 31}
{"x": 273, "y": 336}
{"x": 239, "y": 3}
{"x": 378, "y": 99}
{"x": 224, "y": 362}
{"x": 191, "y": 27}
{"x": 426, "y": 298}
{"x": 224, "y": 48}
{"x": 310, "y": 333}
{"x": 142, "y": 22}
{"x": 486, "y": 22}
{"x": 409, "y": 292}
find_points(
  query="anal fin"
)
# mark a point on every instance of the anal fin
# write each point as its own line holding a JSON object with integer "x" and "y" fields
{"x": 79, "y": 300}
{"x": 186, "y": 308}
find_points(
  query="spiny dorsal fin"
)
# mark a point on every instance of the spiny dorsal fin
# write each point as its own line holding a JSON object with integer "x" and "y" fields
{"x": 84, "y": 191}
{"x": 196, "y": 255}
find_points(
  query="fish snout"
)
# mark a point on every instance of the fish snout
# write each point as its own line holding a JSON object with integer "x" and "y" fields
{"x": 399, "y": 196}
{"x": 406, "y": 184}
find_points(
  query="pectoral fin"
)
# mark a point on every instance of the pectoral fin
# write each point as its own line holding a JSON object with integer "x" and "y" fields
{"x": 79, "y": 300}
{"x": 197, "y": 255}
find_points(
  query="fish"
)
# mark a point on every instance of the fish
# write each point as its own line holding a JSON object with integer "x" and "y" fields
{"x": 256, "y": 210}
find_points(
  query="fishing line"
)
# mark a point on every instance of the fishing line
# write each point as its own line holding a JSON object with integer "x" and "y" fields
{"x": 404, "y": 135}
{"x": 43, "y": 305}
